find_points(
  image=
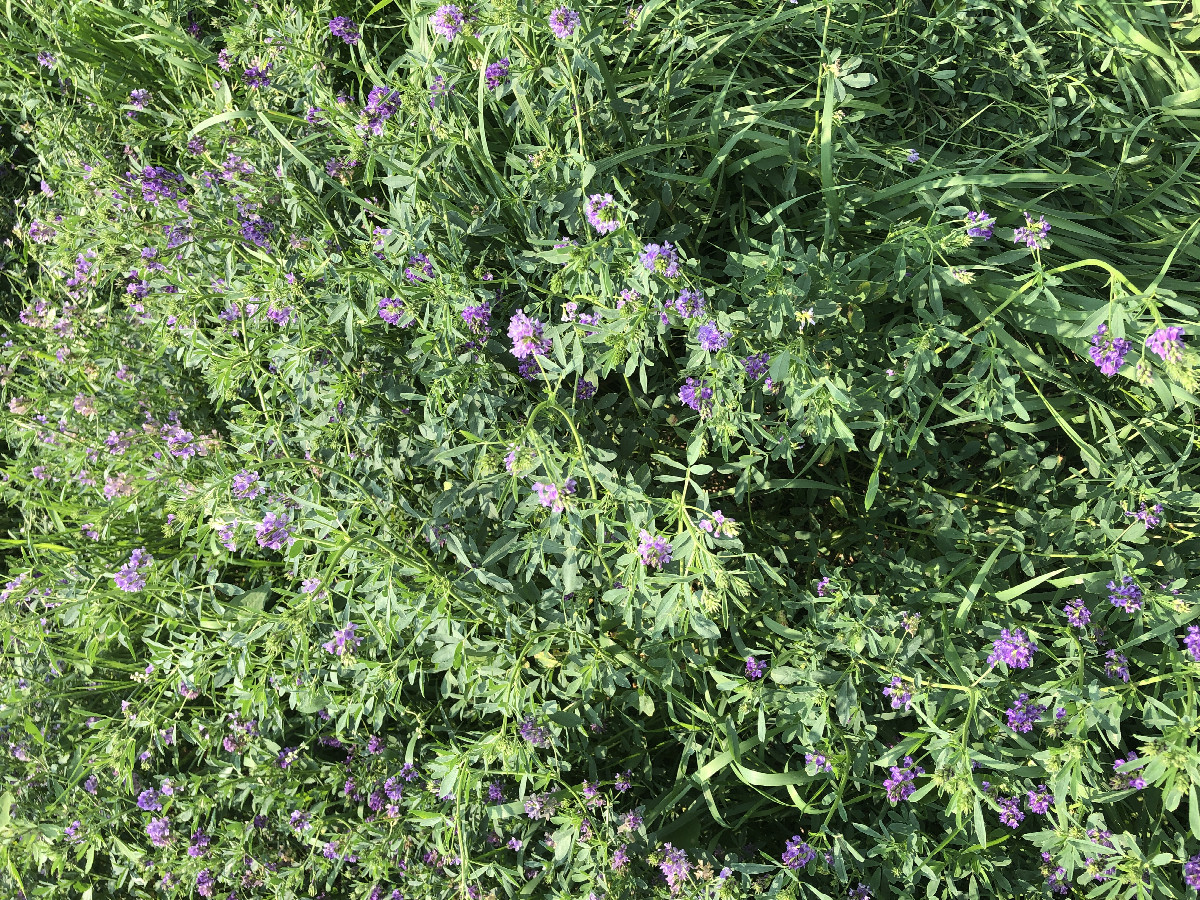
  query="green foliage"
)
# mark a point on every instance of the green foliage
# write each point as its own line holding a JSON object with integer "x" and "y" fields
{"x": 442, "y": 577}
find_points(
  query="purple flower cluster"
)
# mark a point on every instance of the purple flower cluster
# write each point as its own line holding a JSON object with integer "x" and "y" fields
{"x": 563, "y": 22}
{"x": 535, "y": 734}
{"x": 1191, "y": 872}
{"x": 344, "y": 642}
{"x": 1108, "y": 352}
{"x": 131, "y": 577}
{"x": 391, "y": 309}
{"x": 496, "y": 73}
{"x": 897, "y": 694}
{"x": 447, "y": 21}
{"x": 1014, "y": 649}
{"x": 756, "y": 366}
{"x": 419, "y": 268}
{"x": 526, "y": 335}
{"x": 246, "y": 485}
{"x": 272, "y": 532}
{"x": 345, "y": 29}
{"x": 1032, "y": 233}
{"x": 755, "y": 669}
{"x": 711, "y": 337}
{"x": 1126, "y": 595}
{"x": 689, "y": 303}
{"x": 696, "y": 395}
{"x": 1078, "y": 615}
{"x": 979, "y": 224}
{"x": 818, "y": 761}
{"x": 1151, "y": 517}
{"x": 1116, "y": 665}
{"x": 382, "y": 104}
{"x": 1039, "y": 800}
{"x": 655, "y": 550}
{"x": 478, "y": 318}
{"x": 661, "y": 258}
{"x": 601, "y": 212}
{"x": 899, "y": 785}
{"x": 552, "y": 496}
{"x": 1129, "y": 779}
{"x": 1010, "y": 811}
{"x": 257, "y": 76}
{"x": 1167, "y": 343}
{"x": 675, "y": 867}
{"x": 1192, "y": 641}
{"x": 1023, "y": 714}
{"x": 797, "y": 854}
{"x": 159, "y": 832}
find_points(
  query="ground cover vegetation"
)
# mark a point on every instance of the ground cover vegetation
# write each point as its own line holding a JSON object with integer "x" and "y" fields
{"x": 695, "y": 449}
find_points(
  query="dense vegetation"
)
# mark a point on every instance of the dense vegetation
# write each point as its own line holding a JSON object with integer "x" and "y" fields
{"x": 715, "y": 449}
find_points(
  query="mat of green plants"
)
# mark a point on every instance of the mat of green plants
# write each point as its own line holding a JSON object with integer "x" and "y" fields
{"x": 721, "y": 449}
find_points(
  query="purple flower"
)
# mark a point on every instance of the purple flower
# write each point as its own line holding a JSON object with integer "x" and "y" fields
{"x": 159, "y": 832}
{"x": 1131, "y": 779}
{"x": 551, "y": 495}
{"x": 756, "y": 366}
{"x": 711, "y": 337}
{"x": 300, "y": 820}
{"x": 1116, "y": 665}
{"x": 537, "y": 735}
{"x": 138, "y": 98}
{"x": 1167, "y": 343}
{"x": 1013, "y": 649}
{"x": 661, "y": 258}
{"x": 246, "y": 486}
{"x": 1126, "y": 595}
{"x": 899, "y": 785}
{"x": 496, "y": 74}
{"x": 345, "y": 29}
{"x": 46, "y": 60}
{"x": 381, "y": 105}
{"x": 655, "y": 550}
{"x": 478, "y": 318}
{"x": 344, "y": 641}
{"x": 1191, "y": 872}
{"x": 1151, "y": 518}
{"x": 1192, "y": 642}
{"x": 1039, "y": 800}
{"x": 675, "y": 867}
{"x": 437, "y": 91}
{"x": 1024, "y": 714}
{"x": 419, "y": 268}
{"x": 563, "y": 22}
{"x": 526, "y": 335}
{"x": 148, "y": 800}
{"x": 585, "y": 390}
{"x": 272, "y": 532}
{"x": 540, "y": 806}
{"x": 797, "y": 854}
{"x": 600, "y": 209}
{"x": 1107, "y": 352}
{"x": 447, "y": 21}
{"x": 131, "y": 577}
{"x": 1010, "y": 811}
{"x": 391, "y": 309}
{"x": 696, "y": 395}
{"x": 257, "y": 77}
{"x": 1032, "y": 233}
{"x": 913, "y": 156}
{"x": 979, "y": 224}
{"x": 620, "y": 859}
{"x": 199, "y": 843}
{"x": 496, "y": 792}
{"x": 755, "y": 669}
{"x": 897, "y": 694}
{"x": 819, "y": 761}
{"x": 689, "y": 303}
{"x": 1078, "y": 615}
